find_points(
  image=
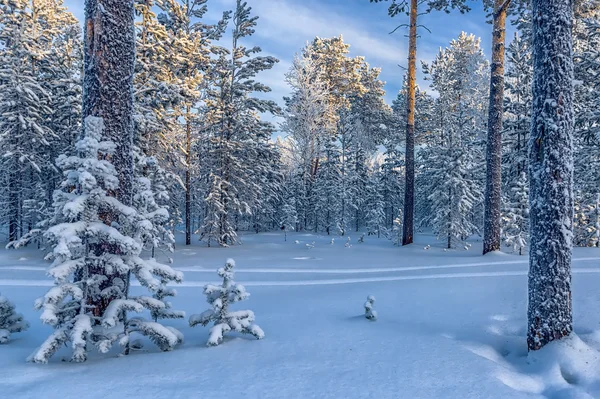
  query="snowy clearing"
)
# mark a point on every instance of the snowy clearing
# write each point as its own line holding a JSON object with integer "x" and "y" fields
{"x": 444, "y": 328}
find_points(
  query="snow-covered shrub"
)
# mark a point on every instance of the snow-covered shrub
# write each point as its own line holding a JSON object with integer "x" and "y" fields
{"x": 10, "y": 321}
{"x": 370, "y": 312}
{"x": 347, "y": 244}
{"x": 311, "y": 245}
{"x": 97, "y": 245}
{"x": 397, "y": 230}
{"x": 225, "y": 320}
{"x": 362, "y": 238}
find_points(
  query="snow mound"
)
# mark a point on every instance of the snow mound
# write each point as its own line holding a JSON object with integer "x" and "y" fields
{"x": 565, "y": 369}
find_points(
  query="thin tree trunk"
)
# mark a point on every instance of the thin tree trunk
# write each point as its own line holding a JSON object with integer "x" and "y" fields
{"x": 551, "y": 174}
{"x": 493, "y": 190}
{"x": 188, "y": 178}
{"x": 409, "y": 192}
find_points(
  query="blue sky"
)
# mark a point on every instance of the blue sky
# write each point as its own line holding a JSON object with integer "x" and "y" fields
{"x": 285, "y": 26}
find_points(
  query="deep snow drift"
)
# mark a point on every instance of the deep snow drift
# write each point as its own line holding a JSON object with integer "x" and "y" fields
{"x": 451, "y": 324}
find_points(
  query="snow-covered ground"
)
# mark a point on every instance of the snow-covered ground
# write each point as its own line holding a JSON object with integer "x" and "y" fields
{"x": 451, "y": 324}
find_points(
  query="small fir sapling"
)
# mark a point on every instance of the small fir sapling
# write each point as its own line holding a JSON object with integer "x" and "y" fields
{"x": 347, "y": 244}
{"x": 397, "y": 230}
{"x": 370, "y": 312}
{"x": 220, "y": 298}
{"x": 362, "y": 238}
{"x": 10, "y": 321}
{"x": 332, "y": 241}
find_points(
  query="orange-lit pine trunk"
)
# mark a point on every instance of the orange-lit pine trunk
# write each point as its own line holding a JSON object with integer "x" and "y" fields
{"x": 409, "y": 192}
{"x": 493, "y": 190}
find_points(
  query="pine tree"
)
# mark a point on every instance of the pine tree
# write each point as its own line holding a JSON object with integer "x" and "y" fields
{"x": 238, "y": 137}
{"x": 411, "y": 8}
{"x": 517, "y": 111}
{"x": 327, "y": 192}
{"x": 88, "y": 305}
{"x": 498, "y": 10}
{"x": 374, "y": 203}
{"x": 551, "y": 174}
{"x": 397, "y": 229}
{"x": 189, "y": 48}
{"x": 288, "y": 215}
{"x": 225, "y": 320}
{"x": 10, "y": 321}
{"x": 451, "y": 164}
{"x": 24, "y": 103}
{"x": 586, "y": 221}
{"x": 515, "y": 216}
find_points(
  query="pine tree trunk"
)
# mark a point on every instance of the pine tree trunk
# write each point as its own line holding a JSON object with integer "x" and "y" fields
{"x": 188, "y": 178}
{"x": 108, "y": 82}
{"x": 409, "y": 192}
{"x": 551, "y": 174}
{"x": 493, "y": 190}
{"x": 109, "y": 57}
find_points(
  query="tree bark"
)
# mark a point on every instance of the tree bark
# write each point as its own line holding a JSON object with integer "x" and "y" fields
{"x": 109, "y": 57}
{"x": 493, "y": 189}
{"x": 188, "y": 178}
{"x": 409, "y": 192}
{"x": 551, "y": 174}
{"x": 109, "y": 43}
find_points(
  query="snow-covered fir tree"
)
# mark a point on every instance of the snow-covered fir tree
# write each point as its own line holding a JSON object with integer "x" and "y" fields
{"x": 10, "y": 321}
{"x": 239, "y": 150}
{"x": 515, "y": 215}
{"x": 89, "y": 302}
{"x": 327, "y": 191}
{"x": 375, "y": 206}
{"x": 452, "y": 164}
{"x": 220, "y": 297}
{"x": 517, "y": 111}
{"x": 288, "y": 214}
{"x": 397, "y": 231}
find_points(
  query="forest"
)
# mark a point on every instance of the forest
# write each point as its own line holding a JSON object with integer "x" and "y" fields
{"x": 134, "y": 140}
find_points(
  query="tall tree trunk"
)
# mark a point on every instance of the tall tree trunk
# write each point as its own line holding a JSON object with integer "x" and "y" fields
{"x": 108, "y": 82}
{"x": 409, "y": 192}
{"x": 551, "y": 174}
{"x": 109, "y": 57}
{"x": 493, "y": 189}
{"x": 188, "y": 177}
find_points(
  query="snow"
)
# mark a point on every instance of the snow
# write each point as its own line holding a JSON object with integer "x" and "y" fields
{"x": 451, "y": 324}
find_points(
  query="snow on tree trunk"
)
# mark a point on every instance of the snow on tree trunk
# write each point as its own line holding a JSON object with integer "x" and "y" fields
{"x": 551, "y": 174}
{"x": 493, "y": 191}
{"x": 109, "y": 58}
{"x": 108, "y": 82}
